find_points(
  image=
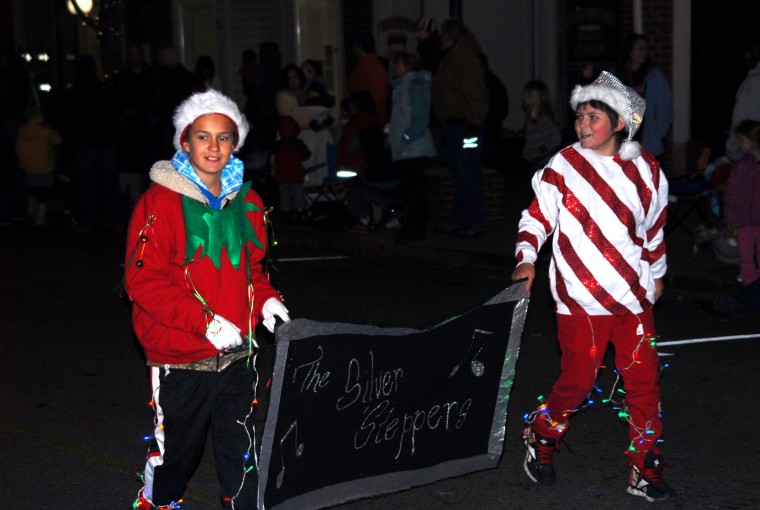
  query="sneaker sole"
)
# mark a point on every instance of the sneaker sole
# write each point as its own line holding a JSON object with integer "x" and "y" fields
{"x": 636, "y": 492}
{"x": 527, "y": 470}
{"x": 530, "y": 475}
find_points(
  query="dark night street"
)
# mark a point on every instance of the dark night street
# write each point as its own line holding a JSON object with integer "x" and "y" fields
{"x": 75, "y": 388}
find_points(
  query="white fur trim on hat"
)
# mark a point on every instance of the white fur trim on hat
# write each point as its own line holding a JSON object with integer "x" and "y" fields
{"x": 205, "y": 103}
{"x": 616, "y": 100}
{"x": 608, "y": 89}
{"x": 629, "y": 150}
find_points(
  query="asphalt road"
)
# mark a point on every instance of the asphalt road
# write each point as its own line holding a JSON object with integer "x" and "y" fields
{"x": 74, "y": 392}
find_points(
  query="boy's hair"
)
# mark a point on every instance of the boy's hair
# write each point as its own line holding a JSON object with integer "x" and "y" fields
{"x": 750, "y": 129}
{"x": 205, "y": 103}
{"x": 608, "y": 89}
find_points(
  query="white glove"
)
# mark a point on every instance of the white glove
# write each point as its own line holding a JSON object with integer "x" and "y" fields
{"x": 223, "y": 334}
{"x": 272, "y": 309}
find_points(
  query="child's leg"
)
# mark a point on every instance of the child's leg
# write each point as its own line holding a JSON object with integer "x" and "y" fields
{"x": 756, "y": 257}
{"x": 182, "y": 404}
{"x": 747, "y": 266}
{"x": 582, "y": 340}
{"x": 286, "y": 204}
{"x": 637, "y": 363}
{"x": 232, "y": 424}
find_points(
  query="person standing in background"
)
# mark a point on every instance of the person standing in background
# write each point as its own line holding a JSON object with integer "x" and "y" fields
{"x": 639, "y": 72}
{"x": 136, "y": 89}
{"x": 460, "y": 101}
{"x": 742, "y": 200}
{"x": 37, "y": 147}
{"x": 289, "y": 155}
{"x": 747, "y": 105}
{"x": 205, "y": 74}
{"x": 249, "y": 78}
{"x": 89, "y": 130}
{"x": 410, "y": 141}
{"x": 369, "y": 74}
{"x": 428, "y": 43}
{"x": 542, "y": 132}
{"x": 16, "y": 101}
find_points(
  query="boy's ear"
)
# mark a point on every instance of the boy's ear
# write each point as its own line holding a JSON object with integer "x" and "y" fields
{"x": 620, "y": 124}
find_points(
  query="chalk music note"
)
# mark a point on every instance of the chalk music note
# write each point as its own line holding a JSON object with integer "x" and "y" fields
{"x": 299, "y": 450}
{"x": 476, "y": 366}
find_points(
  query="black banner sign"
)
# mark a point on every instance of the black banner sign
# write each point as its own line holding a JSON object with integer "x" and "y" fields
{"x": 358, "y": 410}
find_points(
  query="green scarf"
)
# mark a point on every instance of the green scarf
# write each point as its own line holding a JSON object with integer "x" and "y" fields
{"x": 211, "y": 229}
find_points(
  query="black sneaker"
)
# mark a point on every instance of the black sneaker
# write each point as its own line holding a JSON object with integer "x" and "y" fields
{"x": 538, "y": 459}
{"x": 648, "y": 483}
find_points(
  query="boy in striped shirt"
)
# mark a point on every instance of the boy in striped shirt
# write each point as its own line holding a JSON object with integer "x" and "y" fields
{"x": 604, "y": 199}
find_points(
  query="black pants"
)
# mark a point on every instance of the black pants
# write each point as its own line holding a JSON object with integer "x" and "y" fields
{"x": 414, "y": 194}
{"x": 187, "y": 404}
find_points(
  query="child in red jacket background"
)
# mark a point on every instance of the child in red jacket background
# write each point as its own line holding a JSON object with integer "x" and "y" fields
{"x": 742, "y": 199}
{"x": 289, "y": 154}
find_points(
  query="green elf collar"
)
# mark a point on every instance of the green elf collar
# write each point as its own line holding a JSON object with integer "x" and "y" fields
{"x": 211, "y": 229}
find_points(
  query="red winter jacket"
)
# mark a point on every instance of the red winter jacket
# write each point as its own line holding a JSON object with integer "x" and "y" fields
{"x": 168, "y": 315}
{"x": 289, "y": 153}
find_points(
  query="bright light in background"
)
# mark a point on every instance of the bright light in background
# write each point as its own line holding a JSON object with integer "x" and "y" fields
{"x": 45, "y": 87}
{"x": 26, "y": 56}
{"x": 85, "y": 5}
{"x": 345, "y": 174}
{"x": 43, "y": 57}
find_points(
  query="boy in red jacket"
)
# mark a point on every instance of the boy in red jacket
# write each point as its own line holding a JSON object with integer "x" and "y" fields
{"x": 194, "y": 247}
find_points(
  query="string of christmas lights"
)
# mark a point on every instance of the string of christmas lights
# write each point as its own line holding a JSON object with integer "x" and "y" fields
{"x": 621, "y": 407}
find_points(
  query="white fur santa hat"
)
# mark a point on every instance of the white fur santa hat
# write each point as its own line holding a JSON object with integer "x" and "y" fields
{"x": 624, "y": 100}
{"x": 205, "y": 103}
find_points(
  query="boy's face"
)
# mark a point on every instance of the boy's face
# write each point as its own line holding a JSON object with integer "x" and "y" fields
{"x": 209, "y": 145}
{"x": 595, "y": 132}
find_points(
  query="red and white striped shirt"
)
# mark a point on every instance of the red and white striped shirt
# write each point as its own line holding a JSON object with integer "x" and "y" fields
{"x": 608, "y": 217}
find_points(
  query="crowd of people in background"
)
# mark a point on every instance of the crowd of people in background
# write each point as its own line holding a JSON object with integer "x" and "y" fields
{"x": 96, "y": 174}
{"x": 442, "y": 105}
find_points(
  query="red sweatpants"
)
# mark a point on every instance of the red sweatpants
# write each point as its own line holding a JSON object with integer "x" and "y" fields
{"x": 583, "y": 342}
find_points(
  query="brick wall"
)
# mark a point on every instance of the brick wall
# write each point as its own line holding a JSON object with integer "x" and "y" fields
{"x": 441, "y": 195}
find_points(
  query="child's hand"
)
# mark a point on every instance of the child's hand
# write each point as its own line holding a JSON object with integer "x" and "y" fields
{"x": 659, "y": 287}
{"x": 223, "y": 334}
{"x": 272, "y": 309}
{"x": 523, "y": 271}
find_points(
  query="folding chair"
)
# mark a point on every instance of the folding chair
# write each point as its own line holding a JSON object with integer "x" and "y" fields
{"x": 325, "y": 193}
{"x": 688, "y": 196}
